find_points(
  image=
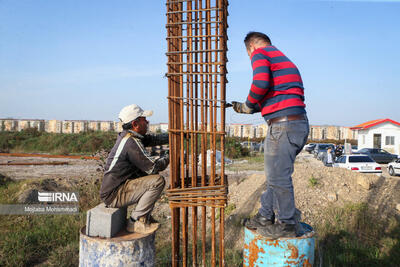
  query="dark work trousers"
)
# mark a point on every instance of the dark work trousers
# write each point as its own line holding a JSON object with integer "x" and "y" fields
{"x": 283, "y": 142}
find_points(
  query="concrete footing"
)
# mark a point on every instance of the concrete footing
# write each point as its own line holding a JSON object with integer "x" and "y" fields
{"x": 125, "y": 249}
{"x": 105, "y": 222}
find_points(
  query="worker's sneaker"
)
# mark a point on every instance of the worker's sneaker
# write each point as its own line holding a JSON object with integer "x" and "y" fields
{"x": 278, "y": 230}
{"x": 141, "y": 225}
{"x": 259, "y": 221}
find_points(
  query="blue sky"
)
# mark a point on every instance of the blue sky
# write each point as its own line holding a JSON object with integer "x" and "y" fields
{"x": 69, "y": 59}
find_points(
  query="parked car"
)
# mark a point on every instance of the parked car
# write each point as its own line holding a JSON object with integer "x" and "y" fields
{"x": 252, "y": 146}
{"x": 320, "y": 149}
{"x": 359, "y": 163}
{"x": 309, "y": 147}
{"x": 354, "y": 149}
{"x": 377, "y": 154}
{"x": 394, "y": 167}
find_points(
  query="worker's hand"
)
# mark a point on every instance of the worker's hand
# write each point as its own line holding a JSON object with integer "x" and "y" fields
{"x": 242, "y": 108}
{"x": 166, "y": 158}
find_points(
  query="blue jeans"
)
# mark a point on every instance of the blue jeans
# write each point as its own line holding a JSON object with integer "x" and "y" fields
{"x": 283, "y": 142}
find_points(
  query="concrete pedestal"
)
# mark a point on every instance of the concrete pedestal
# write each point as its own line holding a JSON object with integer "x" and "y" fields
{"x": 125, "y": 249}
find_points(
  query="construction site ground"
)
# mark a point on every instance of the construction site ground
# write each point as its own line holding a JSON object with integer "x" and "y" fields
{"x": 316, "y": 188}
{"x": 75, "y": 169}
{"x": 87, "y": 169}
{"x": 315, "y": 185}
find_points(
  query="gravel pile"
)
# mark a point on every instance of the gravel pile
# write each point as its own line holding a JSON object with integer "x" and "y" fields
{"x": 318, "y": 187}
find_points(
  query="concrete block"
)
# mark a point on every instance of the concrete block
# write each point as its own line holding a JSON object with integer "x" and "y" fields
{"x": 105, "y": 222}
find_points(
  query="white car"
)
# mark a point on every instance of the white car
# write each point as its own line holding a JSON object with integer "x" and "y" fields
{"x": 359, "y": 163}
{"x": 394, "y": 167}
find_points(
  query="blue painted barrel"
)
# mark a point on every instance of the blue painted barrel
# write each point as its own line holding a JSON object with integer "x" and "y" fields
{"x": 125, "y": 249}
{"x": 261, "y": 251}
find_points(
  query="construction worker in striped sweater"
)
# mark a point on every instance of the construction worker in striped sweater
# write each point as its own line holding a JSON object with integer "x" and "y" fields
{"x": 132, "y": 175}
{"x": 277, "y": 92}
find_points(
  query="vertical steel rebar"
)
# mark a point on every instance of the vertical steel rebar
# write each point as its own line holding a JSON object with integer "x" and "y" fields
{"x": 172, "y": 122}
{"x": 196, "y": 54}
{"x": 204, "y": 140}
{"x": 193, "y": 119}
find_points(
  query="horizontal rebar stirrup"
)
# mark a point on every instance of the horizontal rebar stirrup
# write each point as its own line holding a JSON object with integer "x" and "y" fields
{"x": 196, "y": 37}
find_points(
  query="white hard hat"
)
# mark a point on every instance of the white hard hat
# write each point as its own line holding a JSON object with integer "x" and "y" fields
{"x": 132, "y": 112}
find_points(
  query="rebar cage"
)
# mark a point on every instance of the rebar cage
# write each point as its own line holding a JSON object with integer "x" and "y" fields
{"x": 197, "y": 36}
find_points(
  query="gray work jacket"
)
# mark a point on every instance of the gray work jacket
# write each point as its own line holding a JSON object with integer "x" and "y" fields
{"x": 129, "y": 159}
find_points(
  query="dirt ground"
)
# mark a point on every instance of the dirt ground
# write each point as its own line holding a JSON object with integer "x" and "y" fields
{"x": 75, "y": 169}
{"x": 316, "y": 188}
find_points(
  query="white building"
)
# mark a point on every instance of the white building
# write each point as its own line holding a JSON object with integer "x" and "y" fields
{"x": 160, "y": 127}
{"x": 383, "y": 133}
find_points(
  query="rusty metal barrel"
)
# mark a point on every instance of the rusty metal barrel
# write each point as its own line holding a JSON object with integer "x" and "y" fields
{"x": 294, "y": 251}
{"x": 125, "y": 249}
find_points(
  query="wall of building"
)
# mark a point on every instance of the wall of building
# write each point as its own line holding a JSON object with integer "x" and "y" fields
{"x": 235, "y": 130}
{"x": 56, "y": 126}
{"x": 317, "y": 133}
{"x": 159, "y": 127}
{"x": 240, "y": 130}
{"x": 331, "y": 132}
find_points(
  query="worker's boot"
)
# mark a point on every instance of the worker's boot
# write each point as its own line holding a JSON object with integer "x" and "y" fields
{"x": 278, "y": 230}
{"x": 299, "y": 227}
{"x": 259, "y": 221}
{"x": 142, "y": 225}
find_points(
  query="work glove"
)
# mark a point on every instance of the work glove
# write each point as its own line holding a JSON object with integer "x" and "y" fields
{"x": 161, "y": 164}
{"x": 166, "y": 157}
{"x": 242, "y": 108}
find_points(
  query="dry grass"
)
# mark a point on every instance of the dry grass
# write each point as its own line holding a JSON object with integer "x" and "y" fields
{"x": 42, "y": 239}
